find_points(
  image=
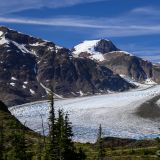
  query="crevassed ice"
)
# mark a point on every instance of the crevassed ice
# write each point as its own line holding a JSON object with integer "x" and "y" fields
{"x": 114, "y": 111}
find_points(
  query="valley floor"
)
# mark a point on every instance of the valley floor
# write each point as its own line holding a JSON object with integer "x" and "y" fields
{"x": 117, "y": 112}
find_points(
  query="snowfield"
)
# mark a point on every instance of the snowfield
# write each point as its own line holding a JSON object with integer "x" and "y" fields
{"x": 89, "y": 47}
{"x": 116, "y": 113}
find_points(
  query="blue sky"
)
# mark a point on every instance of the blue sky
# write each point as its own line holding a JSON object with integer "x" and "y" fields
{"x": 133, "y": 26}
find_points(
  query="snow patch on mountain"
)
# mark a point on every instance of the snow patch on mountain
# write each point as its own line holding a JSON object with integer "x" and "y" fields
{"x": 46, "y": 89}
{"x": 81, "y": 93}
{"x": 32, "y": 91}
{"x": 132, "y": 81}
{"x": 26, "y": 82}
{"x": 12, "y": 84}
{"x": 149, "y": 81}
{"x": 38, "y": 44}
{"x": 24, "y": 87}
{"x": 3, "y": 40}
{"x": 86, "y": 46}
{"x": 89, "y": 47}
{"x": 21, "y": 47}
{"x": 58, "y": 47}
{"x": 123, "y": 52}
{"x": 13, "y": 78}
{"x": 1, "y": 33}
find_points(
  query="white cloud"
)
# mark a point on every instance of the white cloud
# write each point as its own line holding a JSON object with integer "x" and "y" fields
{"x": 111, "y": 27}
{"x": 129, "y": 30}
{"x": 130, "y": 24}
{"x": 9, "y": 6}
{"x": 146, "y": 11}
{"x": 59, "y": 21}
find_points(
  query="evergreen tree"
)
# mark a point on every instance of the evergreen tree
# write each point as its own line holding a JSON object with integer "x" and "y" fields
{"x": 42, "y": 148}
{"x": 69, "y": 145}
{"x": 52, "y": 147}
{"x": 61, "y": 135}
{"x": 2, "y": 148}
{"x": 70, "y": 152}
{"x": 60, "y": 145}
{"x": 100, "y": 144}
{"x": 68, "y": 131}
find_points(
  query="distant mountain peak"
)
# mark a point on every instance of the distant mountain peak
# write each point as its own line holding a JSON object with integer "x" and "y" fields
{"x": 94, "y": 49}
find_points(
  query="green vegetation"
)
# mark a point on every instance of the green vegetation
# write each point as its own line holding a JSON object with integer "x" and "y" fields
{"x": 120, "y": 153}
{"x": 13, "y": 133}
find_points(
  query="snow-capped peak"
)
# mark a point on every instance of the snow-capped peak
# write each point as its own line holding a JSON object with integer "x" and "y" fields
{"x": 88, "y": 46}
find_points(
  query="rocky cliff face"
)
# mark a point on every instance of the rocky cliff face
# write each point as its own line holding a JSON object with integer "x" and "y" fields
{"x": 30, "y": 66}
{"x": 132, "y": 66}
{"x": 120, "y": 62}
{"x": 156, "y": 73}
{"x": 105, "y": 46}
{"x": 129, "y": 65}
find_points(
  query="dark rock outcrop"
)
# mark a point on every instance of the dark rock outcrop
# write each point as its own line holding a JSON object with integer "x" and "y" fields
{"x": 105, "y": 46}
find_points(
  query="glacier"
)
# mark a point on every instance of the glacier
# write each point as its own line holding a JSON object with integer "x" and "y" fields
{"x": 114, "y": 111}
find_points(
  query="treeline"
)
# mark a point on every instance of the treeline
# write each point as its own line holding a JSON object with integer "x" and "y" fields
{"x": 58, "y": 145}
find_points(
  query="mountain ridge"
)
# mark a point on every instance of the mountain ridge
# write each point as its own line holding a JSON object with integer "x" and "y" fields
{"x": 30, "y": 65}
